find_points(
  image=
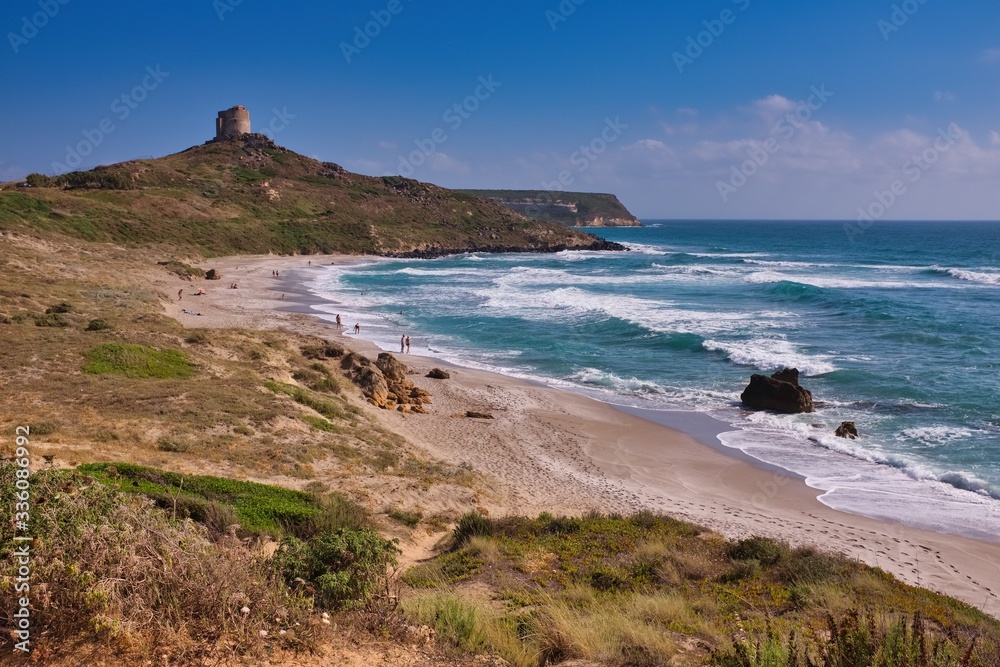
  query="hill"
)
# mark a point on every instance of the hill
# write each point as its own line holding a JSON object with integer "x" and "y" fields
{"x": 575, "y": 209}
{"x": 250, "y": 195}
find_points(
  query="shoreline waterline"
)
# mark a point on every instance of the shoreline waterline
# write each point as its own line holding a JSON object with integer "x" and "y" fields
{"x": 851, "y": 486}
{"x": 559, "y": 451}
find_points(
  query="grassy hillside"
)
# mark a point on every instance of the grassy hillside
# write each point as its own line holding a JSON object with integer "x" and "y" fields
{"x": 576, "y": 209}
{"x": 252, "y": 196}
{"x": 648, "y": 590}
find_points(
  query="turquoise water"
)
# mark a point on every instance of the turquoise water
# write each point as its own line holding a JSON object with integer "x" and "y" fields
{"x": 896, "y": 331}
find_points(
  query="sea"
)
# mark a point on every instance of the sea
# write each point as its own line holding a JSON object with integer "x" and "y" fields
{"x": 895, "y": 327}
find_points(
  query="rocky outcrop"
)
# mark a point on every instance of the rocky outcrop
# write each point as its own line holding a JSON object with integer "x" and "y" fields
{"x": 384, "y": 383}
{"x": 212, "y": 274}
{"x": 847, "y": 430}
{"x": 438, "y": 374}
{"x": 780, "y": 392}
{"x": 472, "y": 414}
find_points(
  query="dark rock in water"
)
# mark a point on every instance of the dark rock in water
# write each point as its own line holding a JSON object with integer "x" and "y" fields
{"x": 780, "y": 392}
{"x": 478, "y": 415}
{"x": 847, "y": 430}
{"x": 787, "y": 375}
{"x": 438, "y": 374}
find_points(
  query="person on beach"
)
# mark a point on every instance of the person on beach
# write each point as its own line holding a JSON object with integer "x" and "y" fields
{"x": 407, "y": 344}
{"x": 180, "y": 294}
{"x": 357, "y": 328}
{"x": 200, "y": 292}
{"x": 339, "y": 325}
{"x": 402, "y": 344}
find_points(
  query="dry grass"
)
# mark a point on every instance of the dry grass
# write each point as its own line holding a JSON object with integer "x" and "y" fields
{"x": 648, "y": 590}
{"x": 117, "y": 571}
{"x": 223, "y": 417}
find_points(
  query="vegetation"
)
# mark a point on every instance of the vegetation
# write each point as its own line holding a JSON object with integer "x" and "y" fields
{"x": 113, "y": 572}
{"x": 565, "y": 208}
{"x": 213, "y": 199}
{"x": 650, "y": 590}
{"x": 137, "y": 361}
{"x": 256, "y": 508}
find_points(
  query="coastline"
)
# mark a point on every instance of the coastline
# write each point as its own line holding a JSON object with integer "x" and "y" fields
{"x": 552, "y": 450}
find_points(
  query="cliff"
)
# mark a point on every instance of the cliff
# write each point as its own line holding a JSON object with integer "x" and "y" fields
{"x": 252, "y": 196}
{"x": 574, "y": 209}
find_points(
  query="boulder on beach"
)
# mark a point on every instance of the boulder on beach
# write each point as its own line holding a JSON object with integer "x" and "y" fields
{"x": 847, "y": 430}
{"x": 212, "y": 274}
{"x": 438, "y": 374}
{"x": 780, "y": 392}
{"x": 384, "y": 383}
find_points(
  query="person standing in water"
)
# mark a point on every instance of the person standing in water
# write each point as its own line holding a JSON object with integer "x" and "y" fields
{"x": 402, "y": 344}
{"x": 339, "y": 325}
{"x": 357, "y": 328}
{"x": 407, "y": 344}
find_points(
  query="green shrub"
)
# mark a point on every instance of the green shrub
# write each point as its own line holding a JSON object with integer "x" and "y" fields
{"x": 59, "y": 308}
{"x": 318, "y": 423}
{"x": 39, "y": 181}
{"x": 182, "y": 270}
{"x": 137, "y": 361}
{"x": 410, "y": 519}
{"x": 50, "y": 320}
{"x": 43, "y": 428}
{"x": 764, "y": 550}
{"x": 99, "y": 325}
{"x": 348, "y": 569}
{"x": 472, "y": 523}
{"x": 196, "y": 338}
{"x": 165, "y": 444}
{"x": 741, "y": 569}
{"x": 326, "y": 350}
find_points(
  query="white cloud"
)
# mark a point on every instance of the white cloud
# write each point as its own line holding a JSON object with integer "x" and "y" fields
{"x": 943, "y": 96}
{"x": 387, "y": 145}
{"x": 774, "y": 104}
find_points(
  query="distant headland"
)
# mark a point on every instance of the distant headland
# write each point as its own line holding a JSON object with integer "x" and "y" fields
{"x": 576, "y": 209}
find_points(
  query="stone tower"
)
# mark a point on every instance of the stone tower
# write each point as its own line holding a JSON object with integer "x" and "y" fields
{"x": 231, "y": 123}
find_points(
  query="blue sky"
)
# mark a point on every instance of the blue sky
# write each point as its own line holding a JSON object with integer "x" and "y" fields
{"x": 715, "y": 109}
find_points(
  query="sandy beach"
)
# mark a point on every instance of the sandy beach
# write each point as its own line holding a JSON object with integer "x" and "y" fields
{"x": 552, "y": 450}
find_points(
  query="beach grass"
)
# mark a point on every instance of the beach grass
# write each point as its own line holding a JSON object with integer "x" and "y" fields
{"x": 650, "y": 590}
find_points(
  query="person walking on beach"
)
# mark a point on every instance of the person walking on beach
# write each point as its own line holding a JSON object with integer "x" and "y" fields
{"x": 180, "y": 294}
{"x": 339, "y": 325}
{"x": 402, "y": 344}
{"x": 407, "y": 344}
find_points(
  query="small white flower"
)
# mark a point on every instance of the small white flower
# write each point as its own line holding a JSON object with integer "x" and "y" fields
{"x": 263, "y": 633}
{"x": 326, "y": 615}
{"x": 245, "y": 610}
{"x": 327, "y": 621}
{"x": 282, "y": 632}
